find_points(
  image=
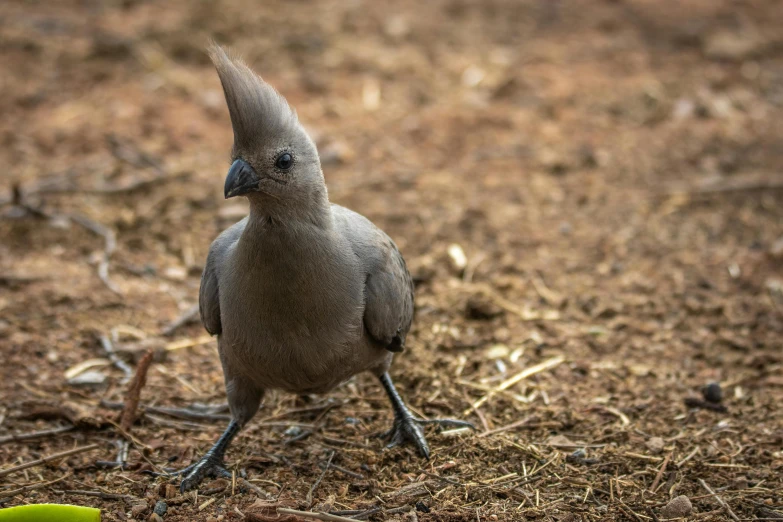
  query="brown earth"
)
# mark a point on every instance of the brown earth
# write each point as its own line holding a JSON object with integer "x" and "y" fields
{"x": 610, "y": 169}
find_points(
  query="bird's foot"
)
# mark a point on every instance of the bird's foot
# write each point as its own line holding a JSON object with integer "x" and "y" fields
{"x": 407, "y": 428}
{"x": 208, "y": 466}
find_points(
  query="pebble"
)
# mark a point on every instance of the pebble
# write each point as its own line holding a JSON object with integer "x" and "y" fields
{"x": 655, "y": 444}
{"x": 171, "y": 491}
{"x": 677, "y": 507}
{"x": 139, "y": 509}
{"x": 160, "y": 508}
{"x": 713, "y": 393}
{"x": 457, "y": 258}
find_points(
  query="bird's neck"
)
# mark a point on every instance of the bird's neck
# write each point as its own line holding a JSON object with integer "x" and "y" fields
{"x": 311, "y": 210}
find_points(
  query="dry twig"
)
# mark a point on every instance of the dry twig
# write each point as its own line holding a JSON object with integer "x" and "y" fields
{"x": 35, "y": 434}
{"x": 187, "y": 317}
{"x": 31, "y": 487}
{"x": 134, "y": 392}
{"x": 722, "y": 502}
{"x": 46, "y": 459}
{"x": 115, "y": 359}
{"x": 316, "y": 516}
{"x": 309, "y": 498}
{"x": 660, "y": 473}
{"x": 511, "y": 381}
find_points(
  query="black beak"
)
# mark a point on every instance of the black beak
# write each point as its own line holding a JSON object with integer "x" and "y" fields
{"x": 241, "y": 179}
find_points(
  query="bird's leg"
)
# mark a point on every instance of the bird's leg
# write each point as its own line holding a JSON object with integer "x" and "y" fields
{"x": 211, "y": 463}
{"x": 408, "y": 428}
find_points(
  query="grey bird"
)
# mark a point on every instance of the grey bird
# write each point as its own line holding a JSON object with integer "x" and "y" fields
{"x": 302, "y": 293}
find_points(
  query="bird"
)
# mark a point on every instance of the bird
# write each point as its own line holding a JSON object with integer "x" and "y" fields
{"x": 302, "y": 293}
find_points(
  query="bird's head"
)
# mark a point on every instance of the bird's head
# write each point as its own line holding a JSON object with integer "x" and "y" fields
{"x": 274, "y": 161}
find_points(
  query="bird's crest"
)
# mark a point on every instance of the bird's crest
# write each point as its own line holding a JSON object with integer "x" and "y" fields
{"x": 257, "y": 110}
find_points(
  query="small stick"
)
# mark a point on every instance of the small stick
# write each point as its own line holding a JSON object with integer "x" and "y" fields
{"x": 110, "y": 245}
{"x": 188, "y": 316}
{"x": 660, "y": 473}
{"x": 507, "y": 427}
{"x": 252, "y": 487}
{"x": 98, "y": 494}
{"x": 353, "y": 474}
{"x": 524, "y": 374}
{"x": 687, "y": 458}
{"x": 623, "y": 506}
{"x": 358, "y": 514}
{"x": 134, "y": 393}
{"x": 207, "y": 503}
{"x": 317, "y": 516}
{"x": 115, "y": 359}
{"x": 35, "y": 434}
{"x": 31, "y": 487}
{"x": 309, "y": 498}
{"x": 46, "y": 459}
{"x": 177, "y": 413}
{"x": 722, "y": 502}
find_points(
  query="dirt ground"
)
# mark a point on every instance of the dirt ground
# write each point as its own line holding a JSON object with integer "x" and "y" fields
{"x": 611, "y": 171}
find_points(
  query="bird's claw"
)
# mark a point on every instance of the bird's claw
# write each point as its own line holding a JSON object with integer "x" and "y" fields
{"x": 409, "y": 429}
{"x": 208, "y": 466}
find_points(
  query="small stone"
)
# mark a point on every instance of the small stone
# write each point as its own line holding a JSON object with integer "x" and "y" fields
{"x": 655, "y": 444}
{"x": 160, "y": 508}
{"x": 712, "y": 393}
{"x": 497, "y": 351}
{"x": 293, "y": 431}
{"x": 677, "y": 507}
{"x": 138, "y": 509}
{"x": 577, "y": 456}
{"x": 559, "y": 441}
{"x": 155, "y": 518}
{"x": 457, "y": 258}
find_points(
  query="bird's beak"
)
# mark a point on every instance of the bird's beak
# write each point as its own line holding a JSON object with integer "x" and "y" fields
{"x": 241, "y": 179}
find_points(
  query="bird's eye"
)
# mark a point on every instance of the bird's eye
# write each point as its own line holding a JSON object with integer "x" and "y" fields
{"x": 284, "y": 161}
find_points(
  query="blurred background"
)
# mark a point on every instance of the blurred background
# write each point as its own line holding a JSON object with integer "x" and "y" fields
{"x": 594, "y": 186}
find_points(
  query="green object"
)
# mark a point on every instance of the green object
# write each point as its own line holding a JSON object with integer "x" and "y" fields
{"x": 50, "y": 513}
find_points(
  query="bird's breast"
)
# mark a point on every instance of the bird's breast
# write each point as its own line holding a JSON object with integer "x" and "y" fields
{"x": 297, "y": 323}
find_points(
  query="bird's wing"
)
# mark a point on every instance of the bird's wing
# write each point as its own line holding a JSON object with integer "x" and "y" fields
{"x": 388, "y": 292}
{"x": 209, "y": 297}
{"x": 209, "y": 292}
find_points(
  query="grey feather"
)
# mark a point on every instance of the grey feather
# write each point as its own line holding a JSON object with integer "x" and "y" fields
{"x": 258, "y": 112}
{"x": 302, "y": 294}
